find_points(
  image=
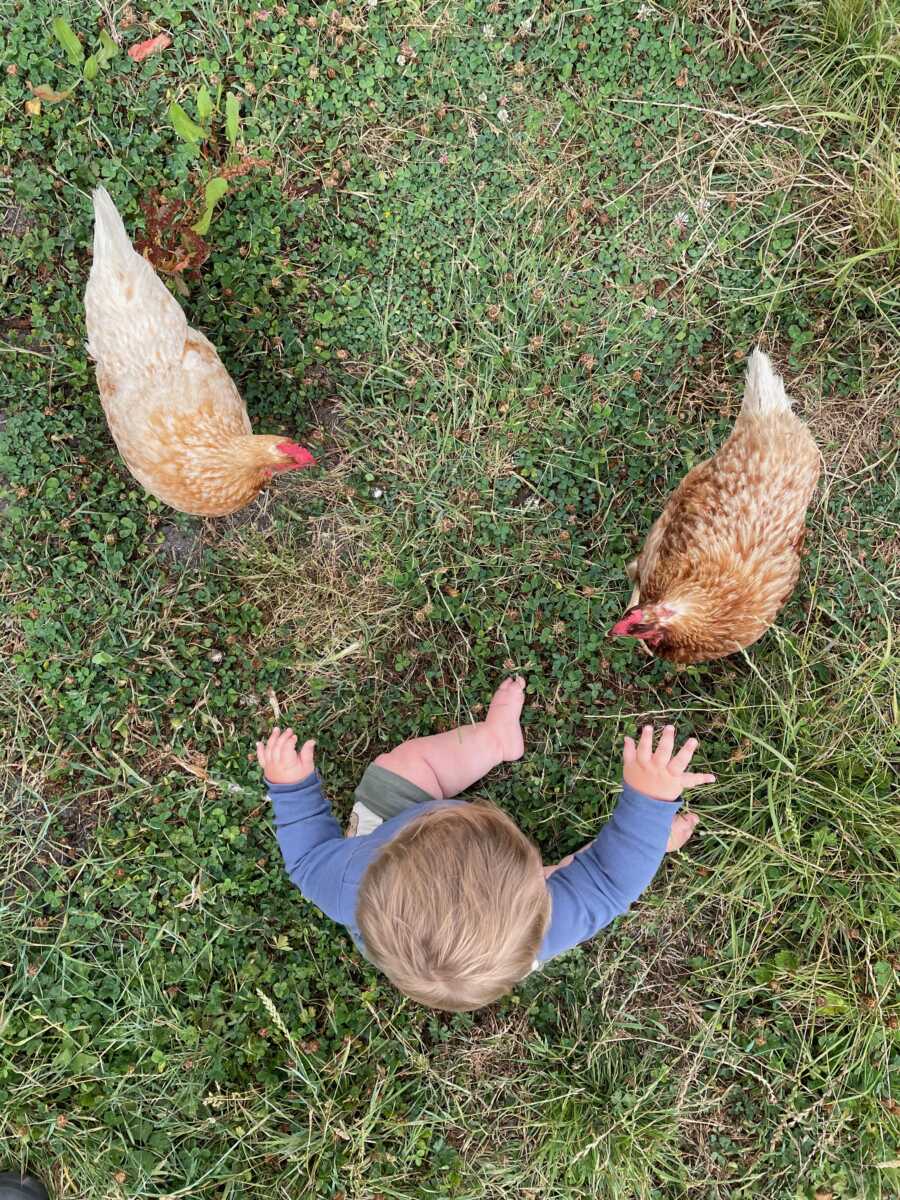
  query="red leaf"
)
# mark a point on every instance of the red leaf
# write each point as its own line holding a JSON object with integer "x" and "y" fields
{"x": 142, "y": 50}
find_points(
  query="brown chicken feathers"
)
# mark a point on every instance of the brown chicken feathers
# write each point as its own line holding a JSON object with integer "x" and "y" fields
{"x": 724, "y": 556}
{"x": 175, "y": 414}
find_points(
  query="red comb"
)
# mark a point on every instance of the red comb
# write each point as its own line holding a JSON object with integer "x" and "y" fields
{"x": 300, "y": 456}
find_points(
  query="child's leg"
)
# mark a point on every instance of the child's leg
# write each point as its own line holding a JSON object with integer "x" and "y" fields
{"x": 445, "y": 764}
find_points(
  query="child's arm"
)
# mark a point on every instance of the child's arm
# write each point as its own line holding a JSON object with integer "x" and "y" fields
{"x": 311, "y": 842}
{"x": 445, "y": 764}
{"x": 605, "y": 878}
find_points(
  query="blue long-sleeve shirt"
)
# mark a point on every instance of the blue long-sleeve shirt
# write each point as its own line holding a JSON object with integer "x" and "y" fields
{"x": 600, "y": 883}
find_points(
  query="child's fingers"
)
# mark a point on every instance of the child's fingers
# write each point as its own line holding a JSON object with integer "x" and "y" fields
{"x": 695, "y": 780}
{"x": 307, "y": 757}
{"x": 281, "y": 750}
{"x": 682, "y": 830}
{"x": 645, "y": 746}
{"x": 684, "y": 755}
{"x": 629, "y": 754}
{"x": 664, "y": 749}
{"x": 273, "y": 738}
{"x": 261, "y": 754}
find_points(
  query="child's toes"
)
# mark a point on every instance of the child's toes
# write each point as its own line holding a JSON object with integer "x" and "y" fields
{"x": 513, "y": 683}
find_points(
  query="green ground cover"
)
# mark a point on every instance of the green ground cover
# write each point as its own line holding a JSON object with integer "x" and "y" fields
{"x": 499, "y": 264}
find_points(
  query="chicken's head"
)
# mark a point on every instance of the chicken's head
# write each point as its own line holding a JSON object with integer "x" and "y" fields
{"x": 647, "y": 622}
{"x": 289, "y": 456}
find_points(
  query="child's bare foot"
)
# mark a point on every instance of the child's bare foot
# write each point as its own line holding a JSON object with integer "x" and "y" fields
{"x": 503, "y": 717}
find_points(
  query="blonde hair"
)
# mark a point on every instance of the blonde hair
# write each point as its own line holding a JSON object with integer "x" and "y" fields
{"x": 454, "y": 908}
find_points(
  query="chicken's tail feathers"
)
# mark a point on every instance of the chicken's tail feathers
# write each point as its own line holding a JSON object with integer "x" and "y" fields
{"x": 134, "y": 323}
{"x": 110, "y": 239}
{"x": 763, "y": 387}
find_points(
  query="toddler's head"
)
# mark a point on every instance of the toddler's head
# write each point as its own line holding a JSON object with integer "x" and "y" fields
{"x": 454, "y": 908}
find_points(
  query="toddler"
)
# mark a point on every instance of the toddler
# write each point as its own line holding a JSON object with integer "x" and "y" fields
{"x": 449, "y": 898}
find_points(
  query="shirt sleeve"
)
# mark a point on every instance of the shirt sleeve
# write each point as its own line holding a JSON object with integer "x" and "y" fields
{"x": 314, "y": 849}
{"x": 605, "y": 878}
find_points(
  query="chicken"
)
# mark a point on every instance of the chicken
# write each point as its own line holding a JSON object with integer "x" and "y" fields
{"x": 174, "y": 413}
{"x": 724, "y": 556}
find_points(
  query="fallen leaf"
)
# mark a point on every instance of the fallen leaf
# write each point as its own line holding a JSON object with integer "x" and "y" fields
{"x": 33, "y": 108}
{"x": 47, "y": 94}
{"x": 142, "y": 50}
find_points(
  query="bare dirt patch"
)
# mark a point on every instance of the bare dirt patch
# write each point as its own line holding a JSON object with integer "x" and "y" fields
{"x": 850, "y": 430}
{"x": 43, "y": 827}
{"x": 15, "y": 220}
{"x": 180, "y": 547}
{"x": 322, "y": 586}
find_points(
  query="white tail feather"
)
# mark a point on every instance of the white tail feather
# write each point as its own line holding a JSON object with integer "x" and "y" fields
{"x": 134, "y": 323}
{"x": 110, "y": 238}
{"x": 763, "y": 387}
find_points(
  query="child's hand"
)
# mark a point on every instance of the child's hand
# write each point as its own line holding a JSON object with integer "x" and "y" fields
{"x": 661, "y": 773}
{"x": 279, "y": 759}
{"x": 683, "y": 827}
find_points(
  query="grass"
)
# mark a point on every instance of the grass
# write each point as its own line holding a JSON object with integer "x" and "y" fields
{"x": 505, "y": 288}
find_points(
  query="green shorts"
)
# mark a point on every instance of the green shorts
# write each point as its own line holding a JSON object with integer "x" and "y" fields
{"x": 382, "y": 794}
{"x": 386, "y": 794}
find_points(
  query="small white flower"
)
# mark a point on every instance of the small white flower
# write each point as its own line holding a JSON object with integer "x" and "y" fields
{"x": 526, "y": 25}
{"x": 502, "y": 116}
{"x": 482, "y": 98}
{"x": 682, "y": 219}
{"x": 377, "y": 493}
{"x": 487, "y": 32}
{"x": 704, "y": 206}
{"x": 401, "y": 61}
{"x": 372, "y": 3}
{"x": 643, "y": 12}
